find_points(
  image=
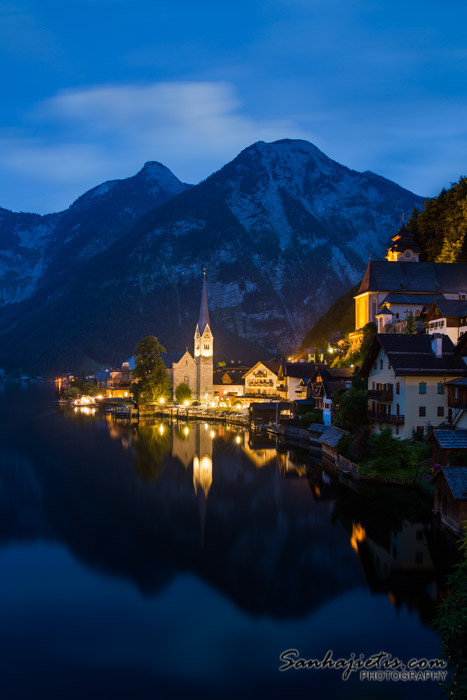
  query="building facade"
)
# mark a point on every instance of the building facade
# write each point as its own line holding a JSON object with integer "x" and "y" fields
{"x": 197, "y": 370}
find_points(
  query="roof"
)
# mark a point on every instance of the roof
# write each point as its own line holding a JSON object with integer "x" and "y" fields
{"x": 299, "y": 370}
{"x": 418, "y": 299}
{"x": 404, "y": 239}
{"x": 236, "y": 376}
{"x": 334, "y": 378}
{"x": 462, "y": 381}
{"x": 204, "y": 310}
{"x": 385, "y": 311}
{"x": 412, "y": 355}
{"x": 271, "y": 407}
{"x": 332, "y": 436}
{"x": 381, "y": 276}
{"x": 318, "y": 428}
{"x": 456, "y": 478}
{"x": 272, "y": 365}
{"x": 451, "y": 439}
{"x": 450, "y": 307}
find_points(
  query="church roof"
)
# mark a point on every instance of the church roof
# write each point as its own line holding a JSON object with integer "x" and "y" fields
{"x": 382, "y": 276}
{"x": 204, "y": 310}
{"x": 417, "y": 299}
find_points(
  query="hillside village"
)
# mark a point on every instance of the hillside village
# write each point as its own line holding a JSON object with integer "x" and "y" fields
{"x": 410, "y": 343}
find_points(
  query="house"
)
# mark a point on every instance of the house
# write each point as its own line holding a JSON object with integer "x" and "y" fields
{"x": 229, "y": 384}
{"x": 329, "y": 440}
{"x": 401, "y": 284}
{"x": 292, "y": 376}
{"x": 451, "y": 497}
{"x": 115, "y": 383}
{"x": 448, "y": 316}
{"x": 270, "y": 413}
{"x": 326, "y": 382}
{"x": 449, "y": 446}
{"x": 407, "y": 377}
{"x": 261, "y": 380}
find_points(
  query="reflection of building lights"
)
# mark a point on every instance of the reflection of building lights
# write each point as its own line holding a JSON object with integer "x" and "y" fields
{"x": 206, "y": 426}
{"x": 202, "y": 473}
{"x": 186, "y": 430}
{"x": 161, "y": 429}
{"x": 238, "y": 439}
{"x": 358, "y": 535}
{"x": 212, "y": 434}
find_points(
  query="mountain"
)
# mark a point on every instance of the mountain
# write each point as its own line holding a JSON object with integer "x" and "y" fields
{"x": 33, "y": 248}
{"x": 283, "y": 231}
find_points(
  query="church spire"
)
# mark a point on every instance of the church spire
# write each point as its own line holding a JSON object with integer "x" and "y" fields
{"x": 204, "y": 310}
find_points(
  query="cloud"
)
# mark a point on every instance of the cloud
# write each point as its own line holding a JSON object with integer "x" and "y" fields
{"x": 109, "y": 131}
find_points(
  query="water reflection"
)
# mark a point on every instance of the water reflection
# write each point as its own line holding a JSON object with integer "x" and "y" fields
{"x": 270, "y": 529}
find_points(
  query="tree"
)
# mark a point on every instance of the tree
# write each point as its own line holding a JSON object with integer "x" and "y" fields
{"x": 411, "y": 325}
{"x": 182, "y": 392}
{"x": 352, "y": 406}
{"x": 451, "y": 623}
{"x": 150, "y": 379}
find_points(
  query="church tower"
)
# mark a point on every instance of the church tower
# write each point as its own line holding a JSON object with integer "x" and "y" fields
{"x": 404, "y": 247}
{"x": 204, "y": 350}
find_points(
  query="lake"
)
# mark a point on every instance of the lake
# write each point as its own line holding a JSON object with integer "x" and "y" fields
{"x": 167, "y": 561}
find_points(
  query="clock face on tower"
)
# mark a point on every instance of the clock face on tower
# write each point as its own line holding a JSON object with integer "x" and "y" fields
{"x": 407, "y": 254}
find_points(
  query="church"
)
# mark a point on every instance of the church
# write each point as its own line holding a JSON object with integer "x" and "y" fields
{"x": 391, "y": 289}
{"x": 197, "y": 370}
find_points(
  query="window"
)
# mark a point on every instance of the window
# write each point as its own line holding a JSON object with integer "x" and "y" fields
{"x": 440, "y": 388}
{"x": 398, "y": 388}
{"x": 440, "y": 411}
{"x": 456, "y": 392}
{"x": 422, "y": 388}
{"x": 381, "y": 364}
{"x": 422, "y": 411}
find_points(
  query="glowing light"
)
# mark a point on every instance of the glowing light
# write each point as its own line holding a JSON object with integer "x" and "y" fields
{"x": 161, "y": 429}
{"x": 161, "y": 400}
{"x": 213, "y": 405}
{"x": 212, "y": 434}
{"x": 358, "y": 535}
{"x": 99, "y": 397}
{"x": 238, "y": 439}
{"x": 186, "y": 402}
{"x": 186, "y": 430}
{"x": 206, "y": 426}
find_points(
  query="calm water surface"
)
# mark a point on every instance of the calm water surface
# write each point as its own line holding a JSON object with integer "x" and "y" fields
{"x": 181, "y": 561}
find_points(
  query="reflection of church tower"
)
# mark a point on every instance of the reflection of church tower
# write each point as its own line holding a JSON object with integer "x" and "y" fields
{"x": 204, "y": 350}
{"x": 202, "y": 461}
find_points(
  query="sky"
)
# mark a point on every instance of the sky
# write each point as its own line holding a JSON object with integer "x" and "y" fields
{"x": 92, "y": 89}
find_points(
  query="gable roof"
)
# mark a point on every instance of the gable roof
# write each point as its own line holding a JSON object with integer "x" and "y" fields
{"x": 451, "y": 439}
{"x": 299, "y": 370}
{"x": 332, "y": 436}
{"x": 272, "y": 365}
{"x": 172, "y": 358}
{"x": 404, "y": 298}
{"x": 456, "y": 478}
{"x": 384, "y": 276}
{"x": 412, "y": 355}
{"x": 448, "y": 308}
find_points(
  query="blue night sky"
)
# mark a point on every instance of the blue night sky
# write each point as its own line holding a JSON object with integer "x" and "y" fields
{"x": 91, "y": 89}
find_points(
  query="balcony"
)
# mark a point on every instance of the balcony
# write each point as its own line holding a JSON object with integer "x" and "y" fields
{"x": 386, "y": 418}
{"x": 381, "y": 394}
